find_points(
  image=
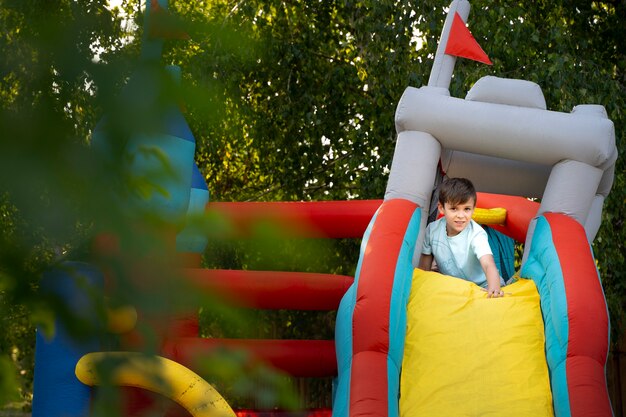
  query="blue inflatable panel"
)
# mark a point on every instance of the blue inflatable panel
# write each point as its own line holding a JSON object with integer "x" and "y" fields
{"x": 192, "y": 239}
{"x": 176, "y": 125}
{"x": 57, "y": 392}
{"x": 197, "y": 179}
{"x": 173, "y": 176}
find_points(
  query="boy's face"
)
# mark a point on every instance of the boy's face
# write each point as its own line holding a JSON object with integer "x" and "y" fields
{"x": 457, "y": 216}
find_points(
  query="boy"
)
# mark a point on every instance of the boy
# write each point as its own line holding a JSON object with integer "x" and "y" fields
{"x": 457, "y": 243}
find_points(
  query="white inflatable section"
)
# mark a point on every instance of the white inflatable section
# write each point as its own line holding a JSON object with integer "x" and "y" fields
{"x": 443, "y": 66}
{"x": 504, "y": 139}
{"x": 409, "y": 155}
{"x": 507, "y": 131}
{"x": 523, "y": 178}
{"x": 522, "y": 93}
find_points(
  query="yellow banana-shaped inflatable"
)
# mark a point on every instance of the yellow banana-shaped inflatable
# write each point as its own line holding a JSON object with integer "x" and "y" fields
{"x": 159, "y": 375}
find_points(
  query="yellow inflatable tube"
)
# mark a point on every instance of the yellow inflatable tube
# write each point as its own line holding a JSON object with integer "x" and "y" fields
{"x": 159, "y": 375}
{"x": 489, "y": 216}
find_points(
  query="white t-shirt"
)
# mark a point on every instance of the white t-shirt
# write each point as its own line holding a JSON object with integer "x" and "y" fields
{"x": 458, "y": 255}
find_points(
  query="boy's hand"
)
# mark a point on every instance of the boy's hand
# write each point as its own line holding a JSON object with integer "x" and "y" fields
{"x": 493, "y": 277}
{"x": 494, "y": 292}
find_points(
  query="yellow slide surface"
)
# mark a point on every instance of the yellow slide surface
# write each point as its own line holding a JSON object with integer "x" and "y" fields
{"x": 467, "y": 355}
{"x": 159, "y": 375}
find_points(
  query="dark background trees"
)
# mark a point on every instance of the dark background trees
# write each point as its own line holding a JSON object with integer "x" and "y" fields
{"x": 287, "y": 100}
{"x": 316, "y": 102}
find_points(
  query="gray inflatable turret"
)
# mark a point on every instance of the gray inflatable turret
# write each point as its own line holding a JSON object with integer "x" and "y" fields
{"x": 503, "y": 138}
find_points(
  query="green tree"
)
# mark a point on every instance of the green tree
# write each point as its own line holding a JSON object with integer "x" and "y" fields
{"x": 47, "y": 109}
{"x": 316, "y": 104}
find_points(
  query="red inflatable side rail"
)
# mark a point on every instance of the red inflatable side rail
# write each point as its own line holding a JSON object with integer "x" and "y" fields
{"x": 519, "y": 213}
{"x": 349, "y": 219}
{"x": 316, "y": 412}
{"x": 273, "y": 290}
{"x": 299, "y": 358}
{"x": 316, "y": 219}
{"x": 588, "y": 321}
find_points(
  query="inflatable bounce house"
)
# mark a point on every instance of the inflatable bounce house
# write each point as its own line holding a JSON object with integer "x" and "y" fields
{"x": 408, "y": 342}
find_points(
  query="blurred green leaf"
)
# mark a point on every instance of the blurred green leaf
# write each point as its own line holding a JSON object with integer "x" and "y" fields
{"x": 9, "y": 387}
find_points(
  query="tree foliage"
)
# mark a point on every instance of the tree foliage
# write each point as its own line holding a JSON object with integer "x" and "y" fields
{"x": 47, "y": 109}
{"x": 287, "y": 100}
{"x": 317, "y": 97}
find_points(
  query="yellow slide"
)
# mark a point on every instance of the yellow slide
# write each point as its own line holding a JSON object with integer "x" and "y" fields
{"x": 467, "y": 355}
{"x": 160, "y": 375}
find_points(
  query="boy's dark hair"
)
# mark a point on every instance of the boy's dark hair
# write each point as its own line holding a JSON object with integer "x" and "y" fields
{"x": 456, "y": 191}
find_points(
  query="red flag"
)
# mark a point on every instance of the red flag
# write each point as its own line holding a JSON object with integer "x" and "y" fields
{"x": 462, "y": 43}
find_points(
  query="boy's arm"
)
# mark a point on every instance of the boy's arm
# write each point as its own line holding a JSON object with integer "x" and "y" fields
{"x": 493, "y": 276}
{"x": 426, "y": 262}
